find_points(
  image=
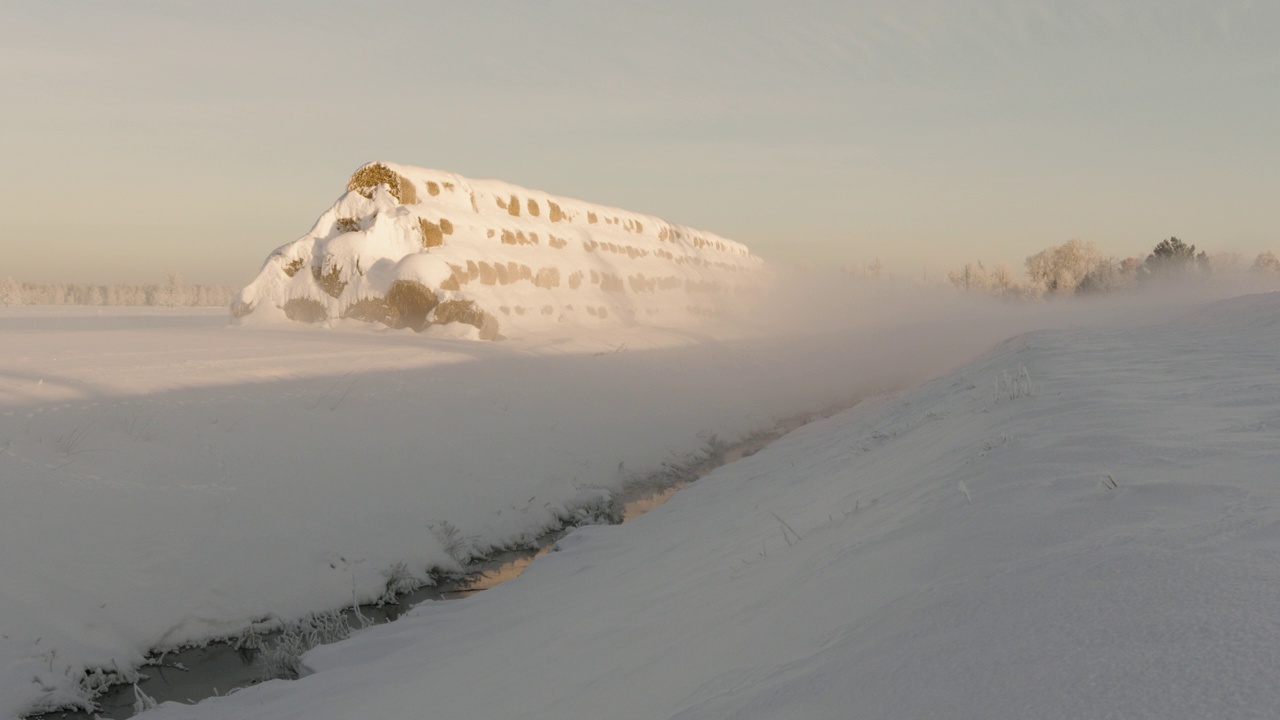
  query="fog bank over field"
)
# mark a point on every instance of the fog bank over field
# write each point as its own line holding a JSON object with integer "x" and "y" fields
{"x": 1080, "y": 522}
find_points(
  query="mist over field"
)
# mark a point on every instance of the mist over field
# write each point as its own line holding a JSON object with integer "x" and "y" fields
{"x": 693, "y": 361}
{"x": 192, "y": 479}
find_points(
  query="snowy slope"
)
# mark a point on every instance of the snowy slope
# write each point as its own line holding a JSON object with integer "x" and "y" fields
{"x": 414, "y": 247}
{"x": 168, "y": 478}
{"x": 1098, "y": 536}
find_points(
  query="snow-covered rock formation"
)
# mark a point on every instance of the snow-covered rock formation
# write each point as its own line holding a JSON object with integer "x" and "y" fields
{"x": 413, "y": 247}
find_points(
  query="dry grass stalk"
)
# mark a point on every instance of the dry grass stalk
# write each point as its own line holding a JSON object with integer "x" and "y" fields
{"x": 466, "y": 311}
{"x": 410, "y": 303}
{"x": 305, "y": 310}
{"x": 369, "y": 177}
{"x": 331, "y": 282}
{"x": 369, "y": 309}
{"x": 432, "y": 234}
{"x": 547, "y": 277}
{"x": 456, "y": 280}
{"x": 612, "y": 283}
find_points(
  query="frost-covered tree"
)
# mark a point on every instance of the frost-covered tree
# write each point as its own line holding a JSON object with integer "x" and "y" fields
{"x": 970, "y": 278}
{"x": 1267, "y": 263}
{"x": 1002, "y": 282}
{"x": 1173, "y": 257}
{"x": 875, "y": 268}
{"x": 173, "y": 293}
{"x": 1106, "y": 276}
{"x": 975, "y": 277}
{"x": 1226, "y": 262}
{"x": 1060, "y": 269}
{"x": 1129, "y": 268}
{"x": 10, "y": 291}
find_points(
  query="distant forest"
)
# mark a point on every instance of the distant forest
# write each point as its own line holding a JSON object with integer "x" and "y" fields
{"x": 1078, "y": 267}
{"x": 171, "y": 293}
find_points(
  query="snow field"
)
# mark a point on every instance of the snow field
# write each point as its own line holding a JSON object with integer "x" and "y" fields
{"x": 169, "y": 479}
{"x": 1101, "y": 541}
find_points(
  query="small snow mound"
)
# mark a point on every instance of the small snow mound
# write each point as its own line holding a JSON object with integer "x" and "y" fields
{"x": 1256, "y": 312}
{"x": 413, "y": 247}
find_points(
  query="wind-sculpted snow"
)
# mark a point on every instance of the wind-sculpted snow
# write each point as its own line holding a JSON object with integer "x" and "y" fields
{"x": 167, "y": 479}
{"x": 412, "y": 247}
{"x": 1083, "y": 524}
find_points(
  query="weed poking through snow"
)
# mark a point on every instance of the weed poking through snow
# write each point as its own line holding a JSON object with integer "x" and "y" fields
{"x": 141, "y": 700}
{"x": 69, "y": 441}
{"x": 284, "y": 658}
{"x": 1011, "y": 386}
{"x": 456, "y": 546}
{"x": 399, "y": 580}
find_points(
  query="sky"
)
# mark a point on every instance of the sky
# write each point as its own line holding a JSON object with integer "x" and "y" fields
{"x": 145, "y": 137}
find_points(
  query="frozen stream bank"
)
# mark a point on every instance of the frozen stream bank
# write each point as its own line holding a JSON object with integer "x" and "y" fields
{"x": 169, "y": 479}
{"x": 224, "y": 666}
{"x": 1102, "y": 541}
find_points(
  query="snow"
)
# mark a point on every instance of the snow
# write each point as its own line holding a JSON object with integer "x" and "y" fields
{"x": 526, "y": 259}
{"x": 1100, "y": 539}
{"x": 1104, "y": 545}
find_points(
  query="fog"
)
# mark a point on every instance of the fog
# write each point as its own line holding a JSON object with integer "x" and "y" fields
{"x": 170, "y": 461}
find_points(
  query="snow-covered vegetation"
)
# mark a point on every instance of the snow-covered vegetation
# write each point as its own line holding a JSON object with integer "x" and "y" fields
{"x": 187, "y": 481}
{"x": 1066, "y": 525}
{"x": 1082, "y": 523}
{"x": 1079, "y": 267}
{"x": 414, "y": 247}
{"x": 171, "y": 293}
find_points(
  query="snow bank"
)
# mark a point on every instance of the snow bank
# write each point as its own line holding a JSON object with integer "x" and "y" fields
{"x": 169, "y": 479}
{"x": 413, "y": 247}
{"x": 1084, "y": 523}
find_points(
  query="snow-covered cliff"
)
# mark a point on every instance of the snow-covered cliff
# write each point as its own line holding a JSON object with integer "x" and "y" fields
{"x": 413, "y": 247}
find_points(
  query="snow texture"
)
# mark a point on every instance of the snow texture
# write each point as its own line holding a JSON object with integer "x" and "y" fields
{"x": 1103, "y": 542}
{"x": 414, "y": 247}
{"x": 1081, "y": 524}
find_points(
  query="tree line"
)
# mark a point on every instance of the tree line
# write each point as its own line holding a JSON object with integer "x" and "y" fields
{"x": 1078, "y": 267}
{"x": 171, "y": 293}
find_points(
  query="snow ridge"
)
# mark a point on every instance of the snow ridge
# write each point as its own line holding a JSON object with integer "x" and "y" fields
{"x": 414, "y": 247}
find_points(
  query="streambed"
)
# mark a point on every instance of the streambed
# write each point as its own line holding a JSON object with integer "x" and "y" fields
{"x": 223, "y": 666}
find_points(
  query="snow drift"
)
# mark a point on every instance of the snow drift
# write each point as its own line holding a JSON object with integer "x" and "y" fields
{"x": 413, "y": 247}
{"x": 1083, "y": 524}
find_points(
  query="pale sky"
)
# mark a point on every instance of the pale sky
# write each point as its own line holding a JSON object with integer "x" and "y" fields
{"x": 139, "y": 137}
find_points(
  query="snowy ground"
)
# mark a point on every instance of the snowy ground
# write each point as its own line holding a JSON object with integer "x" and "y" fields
{"x": 168, "y": 478}
{"x": 1101, "y": 542}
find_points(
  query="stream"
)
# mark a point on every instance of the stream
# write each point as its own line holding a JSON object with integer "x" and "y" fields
{"x": 223, "y": 666}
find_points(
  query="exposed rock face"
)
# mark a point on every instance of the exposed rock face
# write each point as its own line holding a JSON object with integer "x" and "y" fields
{"x": 412, "y": 247}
